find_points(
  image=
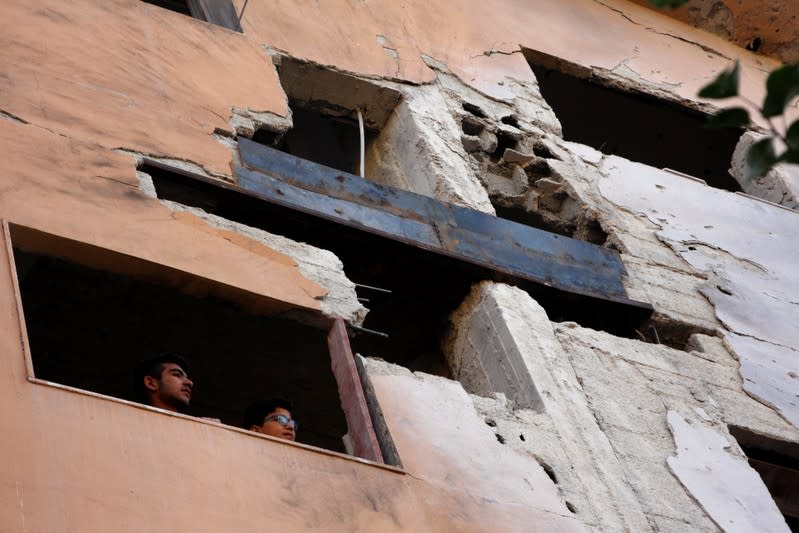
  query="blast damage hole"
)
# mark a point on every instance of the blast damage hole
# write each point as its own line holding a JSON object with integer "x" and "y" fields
{"x": 426, "y": 287}
{"x": 500, "y": 438}
{"x": 504, "y": 141}
{"x": 571, "y": 507}
{"x": 543, "y": 150}
{"x": 472, "y": 126}
{"x": 510, "y": 120}
{"x": 533, "y": 219}
{"x": 549, "y": 472}
{"x": 474, "y": 110}
{"x": 754, "y": 44}
{"x": 777, "y": 462}
{"x": 324, "y": 139}
{"x": 636, "y": 126}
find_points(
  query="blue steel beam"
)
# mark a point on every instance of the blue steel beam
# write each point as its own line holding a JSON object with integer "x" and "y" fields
{"x": 494, "y": 243}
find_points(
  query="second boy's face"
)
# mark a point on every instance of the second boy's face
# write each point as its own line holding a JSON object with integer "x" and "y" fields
{"x": 272, "y": 426}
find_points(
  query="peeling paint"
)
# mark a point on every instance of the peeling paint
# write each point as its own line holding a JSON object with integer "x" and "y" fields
{"x": 754, "y": 287}
{"x": 722, "y": 482}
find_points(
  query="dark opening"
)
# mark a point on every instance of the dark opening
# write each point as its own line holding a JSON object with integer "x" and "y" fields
{"x": 88, "y": 328}
{"x": 638, "y": 127}
{"x": 533, "y": 219}
{"x": 218, "y": 12}
{"x": 173, "y": 5}
{"x": 329, "y": 140}
{"x": 426, "y": 287}
{"x": 777, "y": 462}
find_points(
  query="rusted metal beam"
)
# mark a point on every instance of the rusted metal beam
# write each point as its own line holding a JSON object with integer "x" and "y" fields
{"x": 468, "y": 235}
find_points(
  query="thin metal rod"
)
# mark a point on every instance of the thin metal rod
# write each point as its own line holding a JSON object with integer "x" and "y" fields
{"x": 655, "y": 331}
{"x": 378, "y": 289}
{"x": 365, "y": 300}
{"x": 366, "y": 330}
{"x": 242, "y": 10}
{"x": 363, "y": 141}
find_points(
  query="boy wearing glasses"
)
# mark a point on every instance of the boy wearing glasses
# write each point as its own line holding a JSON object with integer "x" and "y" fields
{"x": 271, "y": 417}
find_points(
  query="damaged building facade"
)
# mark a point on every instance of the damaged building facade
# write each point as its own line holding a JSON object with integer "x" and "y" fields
{"x": 551, "y": 303}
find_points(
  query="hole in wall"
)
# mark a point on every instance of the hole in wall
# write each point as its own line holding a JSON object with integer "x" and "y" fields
{"x": 325, "y": 105}
{"x": 177, "y": 6}
{"x": 636, "y": 126}
{"x": 504, "y": 140}
{"x": 777, "y": 462}
{"x": 328, "y": 140}
{"x": 471, "y": 126}
{"x": 500, "y": 438}
{"x": 754, "y": 44}
{"x": 474, "y": 109}
{"x": 510, "y": 120}
{"x": 549, "y": 472}
{"x": 571, "y": 507}
{"x": 426, "y": 287}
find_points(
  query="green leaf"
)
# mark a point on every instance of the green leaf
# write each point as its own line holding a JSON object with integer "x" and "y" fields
{"x": 671, "y": 4}
{"x": 760, "y": 158}
{"x": 782, "y": 85}
{"x": 792, "y": 136}
{"x": 734, "y": 117}
{"x": 724, "y": 86}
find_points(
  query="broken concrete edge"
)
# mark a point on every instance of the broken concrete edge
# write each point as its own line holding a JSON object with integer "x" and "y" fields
{"x": 780, "y": 186}
{"x": 382, "y": 431}
{"x": 496, "y": 406}
{"x": 714, "y": 470}
{"x": 316, "y": 264}
{"x": 278, "y": 54}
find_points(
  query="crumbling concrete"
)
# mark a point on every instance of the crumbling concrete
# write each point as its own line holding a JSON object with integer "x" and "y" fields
{"x": 593, "y": 482}
{"x": 455, "y": 450}
{"x": 320, "y": 266}
{"x": 618, "y": 392}
{"x": 418, "y": 150}
{"x": 780, "y": 185}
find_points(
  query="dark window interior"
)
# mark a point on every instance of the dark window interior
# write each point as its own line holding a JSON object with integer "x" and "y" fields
{"x": 777, "y": 462}
{"x": 87, "y": 328}
{"x": 426, "y": 287}
{"x": 325, "y": 139}
{"x": 639, "y": 127}
{"x": 219, "y": 12}
{"x": 173, "y": 5}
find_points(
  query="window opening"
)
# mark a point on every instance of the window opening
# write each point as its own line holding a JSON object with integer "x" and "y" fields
{"x": 635, "y": 126}
{"x": 324, "y": 106}
{"x": 88, "y": 327}
{"x": 219, "y": 12}
{"x": 777, "y": 462}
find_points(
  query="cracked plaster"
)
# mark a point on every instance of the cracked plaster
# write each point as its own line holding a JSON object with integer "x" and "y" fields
{"x": 753, "y": 285}
{"x": 479, "y": 42}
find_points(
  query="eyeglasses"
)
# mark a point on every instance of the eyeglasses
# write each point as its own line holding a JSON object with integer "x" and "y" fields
{"x": 284, "y": 421}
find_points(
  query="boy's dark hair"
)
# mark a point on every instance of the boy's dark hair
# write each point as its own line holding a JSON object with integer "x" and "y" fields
{"x": 258, "y": 410}
{"x": 154, "y": 367}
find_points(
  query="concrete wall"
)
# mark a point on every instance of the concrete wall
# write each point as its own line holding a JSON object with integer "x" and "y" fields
{"x": 544, "y": 426}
